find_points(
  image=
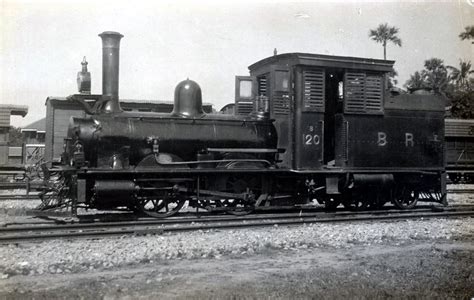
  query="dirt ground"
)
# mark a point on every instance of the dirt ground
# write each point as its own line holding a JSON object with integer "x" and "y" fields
{"x": 420, "y": 270}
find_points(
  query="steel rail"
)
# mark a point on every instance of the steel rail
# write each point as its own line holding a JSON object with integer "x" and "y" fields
{"x": 460, "y": 191}
{"x": 34, "y": 226}
{"x": 117, "y": 220}
{"x": 208, "y": 224}
{"x": 20, "y": 197}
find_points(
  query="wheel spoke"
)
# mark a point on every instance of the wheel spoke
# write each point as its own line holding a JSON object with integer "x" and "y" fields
{"x": 161, "y": 206}
{"x": 406, "y": 198}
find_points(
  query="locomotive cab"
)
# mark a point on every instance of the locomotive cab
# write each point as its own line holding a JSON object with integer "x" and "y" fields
{"x": 307, "y": 96}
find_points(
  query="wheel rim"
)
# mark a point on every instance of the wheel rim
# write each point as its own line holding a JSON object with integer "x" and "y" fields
{"x": 406, "y": 198}
{"x": 239, "y": 184}
{"x": 236, "y": 207}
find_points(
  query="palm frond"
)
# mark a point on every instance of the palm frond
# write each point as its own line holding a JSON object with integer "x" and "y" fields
{"x": 384, "y": 33}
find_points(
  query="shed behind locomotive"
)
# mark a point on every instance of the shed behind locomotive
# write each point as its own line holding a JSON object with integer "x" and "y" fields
{"x": 460, "y": 150}
{"x": 320, "y": 127}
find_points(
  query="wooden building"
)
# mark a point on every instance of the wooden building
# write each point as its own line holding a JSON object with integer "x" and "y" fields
{"x": 6, "y": 111}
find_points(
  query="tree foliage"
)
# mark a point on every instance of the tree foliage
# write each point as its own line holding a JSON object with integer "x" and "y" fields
{"x": 16, "y": 139}
{"x": 463, "y": 97}
{"x": 455, "y": 83}
{"x": 383, "y": 34}
{"x": 392, "y": 79}
{"x": 468, "y": 33}
{"x": 433, "y": 78}
{"x": 463, "y": 104}
{"x": 460, "y": 76}
{"x": 416, "y": 82}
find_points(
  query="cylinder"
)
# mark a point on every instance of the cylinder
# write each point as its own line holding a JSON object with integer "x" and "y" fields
{"x": 110, "y": 69}
{"x": 109, "y": 191}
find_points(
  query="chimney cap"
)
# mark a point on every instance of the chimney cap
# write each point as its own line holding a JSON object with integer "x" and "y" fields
{"x": 105, "y": 33}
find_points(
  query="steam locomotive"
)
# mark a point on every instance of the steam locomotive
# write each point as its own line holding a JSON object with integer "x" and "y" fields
{"x": 307, "y": 128}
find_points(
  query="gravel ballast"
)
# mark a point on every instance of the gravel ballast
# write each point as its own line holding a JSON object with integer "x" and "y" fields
{"x": 427, "y": 258}
{"x": 81, "y": 255}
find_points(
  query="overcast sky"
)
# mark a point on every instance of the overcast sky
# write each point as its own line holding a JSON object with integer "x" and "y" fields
{"x": 42, "y": 42}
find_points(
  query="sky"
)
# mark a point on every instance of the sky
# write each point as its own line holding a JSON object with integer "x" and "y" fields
{"x": 42, "y": 42}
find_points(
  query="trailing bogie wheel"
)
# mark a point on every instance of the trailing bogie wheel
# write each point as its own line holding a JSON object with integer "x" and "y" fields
{"x": 405, "y": 198}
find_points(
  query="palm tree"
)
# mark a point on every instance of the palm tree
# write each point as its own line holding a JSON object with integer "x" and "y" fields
{"x": 468, "y": 34}
{"x": 416, "y": 82}
{"x": 435, "y": 75}
{"x": 392, "y": 78}
{"x": 461, "y": 76}
{"x": 383, "y": 34}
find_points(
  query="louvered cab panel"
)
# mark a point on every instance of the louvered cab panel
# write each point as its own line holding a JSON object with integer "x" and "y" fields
{"x": 363, "y": 93}
{"x": 244, "y": 108}
{"x": 373, "y": 93}
{"x": 309, "y": 118}
{"x": 281, "y": 104}
{"x": 313, "y": 88}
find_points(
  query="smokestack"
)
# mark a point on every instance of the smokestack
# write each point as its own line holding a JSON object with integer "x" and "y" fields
{"x": 110, "y": 69}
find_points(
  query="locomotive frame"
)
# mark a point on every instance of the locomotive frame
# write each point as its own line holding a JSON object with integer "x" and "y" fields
{"x": 320, "y": 128}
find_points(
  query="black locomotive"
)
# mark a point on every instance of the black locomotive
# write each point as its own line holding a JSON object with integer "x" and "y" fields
{"x": 308, "y": 128}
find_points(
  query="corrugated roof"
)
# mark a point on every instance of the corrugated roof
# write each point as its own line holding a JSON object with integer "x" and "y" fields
{"x": 459, "y": 127}
{"x": 39, "y": 125}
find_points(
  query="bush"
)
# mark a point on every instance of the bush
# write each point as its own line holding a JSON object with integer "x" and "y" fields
{"x": 463, "y": 105}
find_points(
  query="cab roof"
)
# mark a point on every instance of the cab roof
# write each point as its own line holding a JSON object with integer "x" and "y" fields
{"x": 328, "y": 61}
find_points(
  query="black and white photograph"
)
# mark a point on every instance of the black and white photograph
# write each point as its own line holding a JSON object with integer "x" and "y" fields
{"x": 236, "y": 149}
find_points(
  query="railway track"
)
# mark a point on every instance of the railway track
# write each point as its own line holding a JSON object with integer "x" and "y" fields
{"x": 30, "y": 233}
{"x": 19, "y": 197}
{"x": 23, "y": 185}
{"x": 460, "y": 191}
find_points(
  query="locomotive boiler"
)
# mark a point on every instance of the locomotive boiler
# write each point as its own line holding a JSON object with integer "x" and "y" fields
{"x": 119, "y": 141}
{"x": 308, "y": 128}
